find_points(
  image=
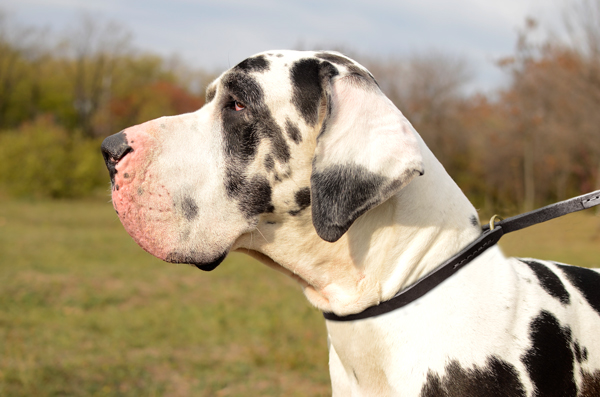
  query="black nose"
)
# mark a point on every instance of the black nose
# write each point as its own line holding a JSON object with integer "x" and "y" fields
{"x": 114, "y": 148}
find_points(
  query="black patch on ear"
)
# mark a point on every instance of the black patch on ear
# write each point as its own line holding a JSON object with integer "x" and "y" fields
{"x": 549, "y": 361}
{"x": 340, "y": 194}
{"x": 189, "y": 208}
{"x": 496, "y": 379}
{"x": 302, "y": 198}
{"x": 256, "y": 64}
{"x": 211, "y": 91}
{"x": 549, "y": 281}
{"x": 474, "y": 221}
{"x": 586, "y": 281}
{"x": 193, "y": 258}
{"x": 293, "y": 131}
{"x": 307, "y": 77}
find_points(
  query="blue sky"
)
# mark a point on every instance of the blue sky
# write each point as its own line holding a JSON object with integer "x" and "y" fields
{"x": 216, "y": 34}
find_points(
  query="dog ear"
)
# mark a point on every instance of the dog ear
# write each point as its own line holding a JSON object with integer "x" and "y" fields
{"x": 366, "y": 152}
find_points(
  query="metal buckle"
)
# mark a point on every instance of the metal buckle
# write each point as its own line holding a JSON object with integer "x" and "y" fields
{"x": 493, "y": 220}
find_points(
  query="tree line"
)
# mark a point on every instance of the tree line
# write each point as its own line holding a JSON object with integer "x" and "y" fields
{"x": 531, "y": 142}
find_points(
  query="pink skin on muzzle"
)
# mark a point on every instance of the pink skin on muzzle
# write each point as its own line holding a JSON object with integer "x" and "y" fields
{"x": 143, "y": 204}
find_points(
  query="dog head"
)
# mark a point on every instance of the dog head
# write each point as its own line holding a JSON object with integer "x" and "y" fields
{"x": 285, "y": 137}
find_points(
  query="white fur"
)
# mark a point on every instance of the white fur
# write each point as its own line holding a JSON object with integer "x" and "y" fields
{"x": 483, "y": 310}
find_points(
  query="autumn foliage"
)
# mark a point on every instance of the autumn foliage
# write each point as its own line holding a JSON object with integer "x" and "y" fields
{"x": 531, "y": 142}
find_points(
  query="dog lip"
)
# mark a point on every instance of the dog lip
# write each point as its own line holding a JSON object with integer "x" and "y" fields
{"x": 207, "y": 267}
{"x": 191, "y": 258}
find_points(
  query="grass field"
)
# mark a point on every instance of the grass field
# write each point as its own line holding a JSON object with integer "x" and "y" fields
{"x": 85, "y": 312}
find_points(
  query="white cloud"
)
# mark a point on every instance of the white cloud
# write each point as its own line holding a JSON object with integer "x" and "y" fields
{"x": 215, "y": 34}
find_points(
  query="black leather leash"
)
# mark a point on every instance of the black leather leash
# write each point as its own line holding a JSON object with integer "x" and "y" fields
{"x": 490, "y": 236}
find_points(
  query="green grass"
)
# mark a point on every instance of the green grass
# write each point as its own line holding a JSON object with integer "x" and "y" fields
{"x": 85, "y": 312}
{"x": 573, "y": 239}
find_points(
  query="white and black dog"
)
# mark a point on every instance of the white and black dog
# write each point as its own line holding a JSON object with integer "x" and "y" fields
{"x": 300, "y": 160}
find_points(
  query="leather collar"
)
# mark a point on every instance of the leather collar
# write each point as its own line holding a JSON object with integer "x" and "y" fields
{"x": 490, "y": 235}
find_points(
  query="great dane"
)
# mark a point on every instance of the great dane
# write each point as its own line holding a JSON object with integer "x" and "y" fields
{"x": 299, "y": 159}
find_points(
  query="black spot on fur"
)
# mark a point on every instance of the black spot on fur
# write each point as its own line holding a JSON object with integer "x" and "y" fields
{"x": 241, "y": 136}
{"x": 474, "y": 221}
{"x": 244, "y": 88}
{"x": 350, "y": 65}
{"x": 193, "y": 258}
{"x": 243, "y": 130}
{"x": 189, "y": 208}
{"x": 256, "y": 64}
{"x": 302, "y": 198}
{"x": 590, "y": 384}
{"x": 279, "y": 146}
{"x": 549, "y": 361}
{"x": 269, "y": 163}
{"x": 243, "y": 133}
{"x": 293, "y": 131}
{"x": 256, "y": 197}
{"x": 307, "y": 77}
{"x": 496, "y": 379}
{"x": 340, "y": 194}
{"x": 549, "y": 281}
{"x": 581, "y": 354}
{"x": 307, "y": 90}
{"x": 586, "y": 281}
{"x": 253, "y": 194}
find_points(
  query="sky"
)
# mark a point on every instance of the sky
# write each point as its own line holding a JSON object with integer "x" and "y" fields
{"x": 215, "y": 35}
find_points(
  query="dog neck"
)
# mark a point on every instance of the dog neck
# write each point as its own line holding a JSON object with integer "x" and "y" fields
{"x": 386, "y": 249}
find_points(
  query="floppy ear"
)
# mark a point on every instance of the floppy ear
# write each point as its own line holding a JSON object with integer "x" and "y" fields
{"x": 365, "y": 153}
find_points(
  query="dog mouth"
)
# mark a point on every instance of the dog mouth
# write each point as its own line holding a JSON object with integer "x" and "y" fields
{"x": 192, "y": 258}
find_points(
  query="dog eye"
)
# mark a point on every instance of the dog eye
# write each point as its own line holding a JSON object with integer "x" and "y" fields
{"x": 237, "y": 106}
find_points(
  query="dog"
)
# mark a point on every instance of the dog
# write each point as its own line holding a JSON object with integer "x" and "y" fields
{"x": 299, "y": 160}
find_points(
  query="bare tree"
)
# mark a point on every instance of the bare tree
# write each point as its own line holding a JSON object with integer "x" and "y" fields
{"x": 22, "y": 50}
{"x": 582, "y": 22}
{"x": 429, "y": 88}
{"x": 92, "y": 52}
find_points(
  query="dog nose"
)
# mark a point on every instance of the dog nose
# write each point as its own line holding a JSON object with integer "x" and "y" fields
{"x": 114, "y": 148}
